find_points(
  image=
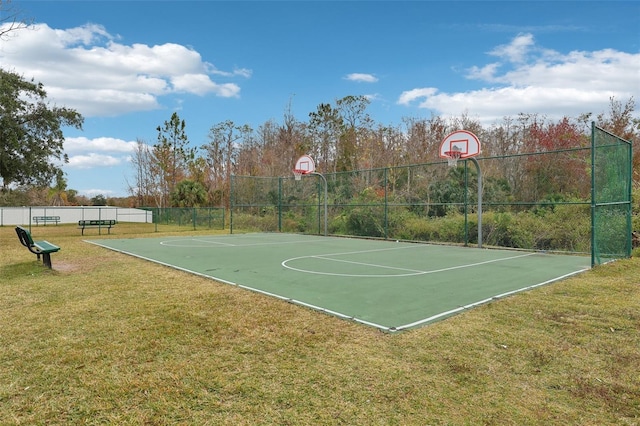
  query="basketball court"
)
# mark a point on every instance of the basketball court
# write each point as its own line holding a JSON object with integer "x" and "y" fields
{"x": 389, "y": 285}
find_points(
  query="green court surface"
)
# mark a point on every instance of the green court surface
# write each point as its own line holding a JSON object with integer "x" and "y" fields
{"x": 385, "y": 284}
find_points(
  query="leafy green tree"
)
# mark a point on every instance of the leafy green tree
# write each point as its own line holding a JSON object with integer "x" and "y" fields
{"x": 325, "y": 126}
{"x": 72, "y": 197}
{"x": 58, "y": 193}
{"x": 356, "y": 128}
{"x": 99, "y": 200}
{"x": 188, "y": 193}
{"x": 30, "y": 132}
{"x": 172, "y": 154}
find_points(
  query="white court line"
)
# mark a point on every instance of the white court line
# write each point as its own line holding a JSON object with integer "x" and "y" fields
{"x": 482, "y": 302}
{"x": 345, "y": 316}
{"x": 213, "y": 243}
{"x": 167, "y": 243}
{"x": 256, "y": 290}
{"x": 411, "y": 273}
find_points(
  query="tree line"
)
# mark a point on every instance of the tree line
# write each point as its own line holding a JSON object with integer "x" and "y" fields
{"x": 341, "y": 136}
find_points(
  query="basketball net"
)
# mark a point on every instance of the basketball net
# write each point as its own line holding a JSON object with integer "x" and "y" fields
{"x": 453, "y": 157}
{"x": 297, "y": 174}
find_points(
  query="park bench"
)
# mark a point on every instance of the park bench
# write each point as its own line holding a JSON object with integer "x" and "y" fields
{"x": 46, "y": 219}
{"x": 102, "y": 223}
{"x": 39, "y": 248}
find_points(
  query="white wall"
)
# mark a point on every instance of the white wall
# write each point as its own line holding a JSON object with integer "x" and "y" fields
{"x": 24, "y": 215}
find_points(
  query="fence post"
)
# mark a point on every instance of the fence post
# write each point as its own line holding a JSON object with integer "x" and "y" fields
{"x": 325, "y": 199}
{"x": 479, "y": 201}
{"x": 231, "y": 201}
{"x": 280, "y": 204}
{"x": 386, "y": 203}
{"x": 466, "y": 205}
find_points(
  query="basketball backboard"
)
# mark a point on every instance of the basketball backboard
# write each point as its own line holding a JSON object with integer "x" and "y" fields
{"x": 462, "y": 144}
{"x": 304, "y": 166}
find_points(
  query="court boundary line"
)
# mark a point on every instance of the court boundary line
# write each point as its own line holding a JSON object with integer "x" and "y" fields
{"x": 416, "y": 272}
{"x": 242, "y": 286}
{"x": 487, "y": 300}
{"x": 392, "y": 329}
{"x": 215, "y": 244}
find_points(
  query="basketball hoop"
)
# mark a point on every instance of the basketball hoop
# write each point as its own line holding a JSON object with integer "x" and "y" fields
{"x": 459, "y": 145}
{"x": 453, "y": 157}
{"x": 304, "y": 166}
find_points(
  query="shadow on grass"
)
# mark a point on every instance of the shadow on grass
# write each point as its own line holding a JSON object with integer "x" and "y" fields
{"x": 31, "y": 268}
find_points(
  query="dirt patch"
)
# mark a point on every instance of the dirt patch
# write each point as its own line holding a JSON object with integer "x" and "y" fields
{"x": 66, "y": 267}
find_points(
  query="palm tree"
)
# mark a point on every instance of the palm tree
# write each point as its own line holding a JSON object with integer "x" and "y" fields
{"x": 58, "y": 193}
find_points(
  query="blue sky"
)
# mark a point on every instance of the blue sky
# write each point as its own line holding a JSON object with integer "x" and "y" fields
{"x": 126, "y": 66}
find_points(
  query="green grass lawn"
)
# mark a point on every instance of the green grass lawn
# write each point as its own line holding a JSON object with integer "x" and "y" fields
{"x": 106, "y": 338}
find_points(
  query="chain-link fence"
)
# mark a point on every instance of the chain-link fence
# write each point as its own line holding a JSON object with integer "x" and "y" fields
{"x": 187, "y": 217}
{"x": 533, "y": 201}
{"x": 128, "y": 220}
{"x": 611, "y": 196}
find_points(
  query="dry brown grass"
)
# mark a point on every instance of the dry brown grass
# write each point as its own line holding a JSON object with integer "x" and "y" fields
{"x": 111, "y": 339}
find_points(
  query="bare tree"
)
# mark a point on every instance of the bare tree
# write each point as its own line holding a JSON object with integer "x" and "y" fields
{"x": 146, "y": 187}
{"x": 222, "y": 155}
{"x": 10, "y": 20}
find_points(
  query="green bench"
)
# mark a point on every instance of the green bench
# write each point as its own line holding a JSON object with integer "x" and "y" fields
{"x": 83, "y": 224}
{"x": 39, "y": 248}
{"x": 46, "y": 219}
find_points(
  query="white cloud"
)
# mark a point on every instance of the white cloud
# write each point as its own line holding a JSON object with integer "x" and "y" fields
{"x": 362, "y": 78}
{"x": 95, "y": 192}
{"x": 85, "y": 35}
{"x": 411, "y": 95}
{"x": 82, "y": 144}
{"x": 85, "y": 153}
{"x": 87, "y": 69}
{"x": 530, "y": 79}
{"x": 241, "y": 72}
{"x": 92, "y": 160}
{"x": 517, "y": 50}
{"x": 200, "y": 83}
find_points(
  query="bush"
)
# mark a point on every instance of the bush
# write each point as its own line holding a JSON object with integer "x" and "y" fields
{"x": 256, "y": 223}
{"x": 563, "y": 228}
{"x": 365, "y": 221}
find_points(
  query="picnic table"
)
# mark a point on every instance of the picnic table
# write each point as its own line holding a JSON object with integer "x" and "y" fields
{"x": 46, "y": 219}
{"x": 96, "y": 223}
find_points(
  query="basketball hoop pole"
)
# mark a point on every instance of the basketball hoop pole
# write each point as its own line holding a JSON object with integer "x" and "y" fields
{"x": 325, "y": 199}
{"x": 453, "y": 159}
{"x": 464, "y": 145}
{"x": 474, "y": 161}
{"x": 306, "y": 166}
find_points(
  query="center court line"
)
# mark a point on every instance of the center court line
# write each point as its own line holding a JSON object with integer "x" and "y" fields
{"x": 411, "y": 273}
